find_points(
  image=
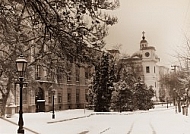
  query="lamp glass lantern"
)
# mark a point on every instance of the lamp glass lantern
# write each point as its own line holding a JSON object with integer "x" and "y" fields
{"x": 53, "y": 91}
{"x": 21, "y": 64}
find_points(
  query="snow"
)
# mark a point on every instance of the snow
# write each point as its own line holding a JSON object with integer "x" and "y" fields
{"x": 160, "y": 120}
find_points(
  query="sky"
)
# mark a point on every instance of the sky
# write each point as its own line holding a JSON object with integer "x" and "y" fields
{"x": 166, "y": 24}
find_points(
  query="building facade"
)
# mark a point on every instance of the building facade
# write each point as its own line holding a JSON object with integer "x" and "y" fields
{"x": 70, "y": 85}
{"x": 145, "y": 63}
{"x": 70, "y": 92}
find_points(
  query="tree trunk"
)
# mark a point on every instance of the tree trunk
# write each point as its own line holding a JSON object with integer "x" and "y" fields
{"x": 4, "y": 102}
{"x": 5, "y": 97}
{"x": 179, "y": 106}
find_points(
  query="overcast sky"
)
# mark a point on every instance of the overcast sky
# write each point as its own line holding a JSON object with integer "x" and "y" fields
{"x": 165, "y": 22}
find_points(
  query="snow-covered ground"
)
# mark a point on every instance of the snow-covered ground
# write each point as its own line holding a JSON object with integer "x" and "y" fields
{"x": 160, "y": 120}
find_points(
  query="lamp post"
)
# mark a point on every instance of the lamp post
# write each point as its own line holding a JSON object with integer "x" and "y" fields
{"x": 167, "y": 101}
{"x": 187, "y": 101}
{"x": 21, "y": 64}
{"x": 175, "y": 99}
{"x": 53, "y": 114}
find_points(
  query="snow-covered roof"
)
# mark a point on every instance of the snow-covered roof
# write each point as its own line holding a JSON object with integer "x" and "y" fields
{"x": 137, "y": 54}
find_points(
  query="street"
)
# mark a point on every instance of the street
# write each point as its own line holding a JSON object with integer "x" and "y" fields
{"x": 155, "y": 121}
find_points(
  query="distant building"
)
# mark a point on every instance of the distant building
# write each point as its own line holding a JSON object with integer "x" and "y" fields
{"x": 145, "y": 63}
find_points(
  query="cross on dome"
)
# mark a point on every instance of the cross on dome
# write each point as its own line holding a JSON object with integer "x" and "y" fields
{"x": 143, "y": 35}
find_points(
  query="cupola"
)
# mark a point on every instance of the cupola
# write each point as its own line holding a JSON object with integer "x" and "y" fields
{"x": 143, "y": 42}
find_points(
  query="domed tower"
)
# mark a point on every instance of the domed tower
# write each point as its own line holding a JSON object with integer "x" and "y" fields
{"x": 149, "y": 63}
{"x": 148, "y": 52}
{"x": 143, "y": 42}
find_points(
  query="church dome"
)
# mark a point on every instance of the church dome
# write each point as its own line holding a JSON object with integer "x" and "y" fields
{"x": 143, "y": 41}
{"x": 137, "y": 54}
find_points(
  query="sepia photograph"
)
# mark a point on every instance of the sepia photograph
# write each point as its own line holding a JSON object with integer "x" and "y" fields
{"x": 94, "y": 66}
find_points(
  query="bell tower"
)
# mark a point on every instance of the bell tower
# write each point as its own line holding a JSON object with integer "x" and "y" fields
{"x": 149, "y": 63}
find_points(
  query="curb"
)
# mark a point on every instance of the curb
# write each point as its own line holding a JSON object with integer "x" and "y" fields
{"x": 105, "y": 113}
{"x": 17, "y": 125}
{"x": 70, "y": 119}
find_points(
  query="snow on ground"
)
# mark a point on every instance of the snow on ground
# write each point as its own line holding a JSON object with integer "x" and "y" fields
{"x": 9, "y": 128}
{"x": 160, "y": 120}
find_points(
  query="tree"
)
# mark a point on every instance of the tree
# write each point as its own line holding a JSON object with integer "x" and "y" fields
{"x": 162, "y": 95}
{"x": 122, "y": 97}
{"x": 68, "y": 27}
{"x": 90, "y": 95}
{"x": 49, "y": 31}
{"x": 103, "y": 84}
{"x": 124, "y": 89}
{"x": 131, "y": 93}
{"x": 142, "y": 96}
{"x": 176, "y": 82}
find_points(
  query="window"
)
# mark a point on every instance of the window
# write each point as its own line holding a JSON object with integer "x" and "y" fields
{"x": 77, "y": 73}
{"x": 59, "y": 74}
{"x": 69, "y": 72}
{"x": 154, "y": 69}
{"x": 59, "y": 98}
{"x": 77, "y": 95}
{"x": 69, "y": 76}
{"x": 68, "y": 95}
{"x": 49, "y": 96}
{"x": 86, "y": 95}
{"x": 37, "y": 72}
{"x": 147, "y": 69}
{"x": 77, "y": 78}
{"x": 86, "y": 75}
{"x": 50, "y": 74}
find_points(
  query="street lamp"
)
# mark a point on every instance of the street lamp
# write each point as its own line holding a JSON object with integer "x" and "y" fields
{"x": 187, "y": 100}
{"x": 175, "y": 99}
{"x": 53, "y": 114}
{"x": 21, "y": 65}
{"x": 167, "y": 101}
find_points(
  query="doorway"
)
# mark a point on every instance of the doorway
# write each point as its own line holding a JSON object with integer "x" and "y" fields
{"x": 40, "y": 101}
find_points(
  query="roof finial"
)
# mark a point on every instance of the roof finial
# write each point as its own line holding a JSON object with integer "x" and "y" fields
{"x": 143, "y": 35}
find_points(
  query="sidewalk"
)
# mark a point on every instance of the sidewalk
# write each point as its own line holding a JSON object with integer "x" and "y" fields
{"x": 7, "y": 127}
{"x": 34, "y": 122}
